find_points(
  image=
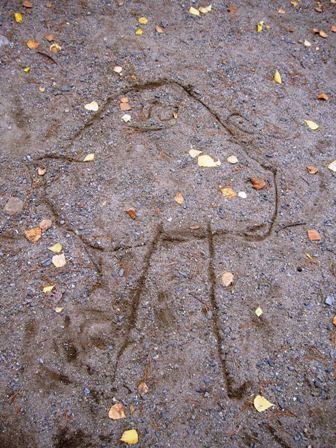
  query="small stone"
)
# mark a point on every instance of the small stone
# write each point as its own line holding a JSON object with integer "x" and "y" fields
{"x": 330, "y": 300}
{"x": 13, "y": 206}
{"x": 242, "y": 194}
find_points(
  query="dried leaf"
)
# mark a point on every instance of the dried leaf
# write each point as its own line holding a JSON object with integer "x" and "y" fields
{"x": 193, "y": 11}
{"x": 312, "y": 169}
{"x": 124, "y": 99}
{"x": 89, "y": 157}
{"x": 143, "y": 388}
{"x": 130, "y": 437}
{"x": 33, "y": 235}
{"x": 159, "y": 29}
{"x": 277, "y": 77}
{"x": 131, "y": 213}
{"x": 59, "y": 309}
{"x": 48, "y": 288}
{"x": 32, "y": 44}
{"x": 92, "y": 107}
{"x": 143, "y": 20}
{"x": 258, "y": 311}
{"x": 126, "y": 118}
{"x": 41, "y": 171}
{"x": 194, "y": 153}
{"x": 333, "y": 28}
{"x": 139, "y": 31}
{"x": 281, "y": 11}
{"x": 179, "y": 198}
{"x": 227, "y": 278}
{"x": 323, "y": 34}
{"x": 117, "y": 412}
{"x": 26, "y": 69}
{"x": 49, "y": 37}
{"x": 259, "y": 27}
{"x": 117, "y": 69}
{"x": 18, "y": 17}
{"x": 313, "y": 235}
{"x": 41, "y": 89}
{"x": 205, "y": 9}
{"x": 55, "y": 48}
{"x": 125, "y": 107}
{"x": 334, "y": 321}
{"x": 45, "y": 224}
{"x": 323, "y": 96}
{"x": 332, "y": 166}
{"x": 58, "y": 260}
{"x": 27, "y": 4}
{"x": 228, "y": 192}
{"x": 232, "y": 9}
{"x": 257, "y": 183}
{"x": 312, "y": 125}
{"x": 56, "y": 248}
{"x": 206, "y": 161}
{"x": 232, "y": 159}
{"x": 261, "y": 404}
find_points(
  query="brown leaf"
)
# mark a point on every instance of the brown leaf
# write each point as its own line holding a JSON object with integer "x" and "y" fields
{"x": 227, "y": 278}
{"x": 55, "y": 48}
{"x": 131, "y": 213}
{"x": 179, "y": 199}
{"x": 41, "y": 171}
{"x": 32, "y": 44}
{"x": 124, "y": 99}
{"x": 323, "y": 96}
{"x": 313, "y": 235}
{"x": 333, "y": 28}
{"x": 45, "y": 224}
{"x": 143, "y": 388}
{"x": 117, "y": 412}
{"x": 159, "y": 29}
{"x": 33, "y": 235}
{"x": 323, "y": 34}
{"x": 27, "y": 4}
{"x": 257, "y": 183}
{"x": 312, "y": 169}
{"x": 228, "y": 192}
{"x": 125, "y": 106}
{"x": 334, "y": 320}
{"x": 232, "y": 9}
{"x": 50, "y": 37}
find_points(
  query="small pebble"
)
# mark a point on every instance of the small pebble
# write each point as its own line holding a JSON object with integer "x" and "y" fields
{"x": 330, "y": 300}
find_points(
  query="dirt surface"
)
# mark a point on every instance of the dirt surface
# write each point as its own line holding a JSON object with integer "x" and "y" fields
{"x": 142, "y": 300}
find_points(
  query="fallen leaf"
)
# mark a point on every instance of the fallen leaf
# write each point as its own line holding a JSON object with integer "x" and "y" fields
{"x": 34, "y": 234}
{"x": 48, "y": 288}
{"x": 89, "y": 157}
{"x": 55, "y": 48}
{"x": 27, "y": 4}
{"x": 92, "y": 107}
{"x": 228, "y": 192}
{"x": 306, "y": 43}
{"x": 323, "y": 96}
{"x": 18, "y": 17}
{"x": 125, "y": 107}
{"x": 117, "y": 412}
{"x": 117, "y": 69}
{"x": 143, "y": 20}
{"x": 45, "y": 224}
{"x": 232, "y": 9}
{"x": 132, "y": 409}
{"x": 312, "y": 125}
{"x": 193, "y": 11}
{"x": 277, "y": 77}
{"x": 56, "y": 248}
{"x": 59, "y": 309}
{"x": 124, "y": 99}
{"x": 232, "y": 159}
{"x": 41, "y": 89}
{"x": 143, "y": 388}
{"x": 319, "y": 8}
{"x": 205, "y": 9}
{"x": 206, "y": 161}
{"x": 49, "y": 37}
{"x": 194, "y": 153}
{"x": 281, "y": 11}
{"x": 32, "y": 44}
{"x": 313, "y": 235}
{"x": 323, "y": 34}
{"x": 333, "y": 28}
{"x": 257, "y": 183}
{"x": 131, "y": 213}
{"x": 126, "y": 118}
{"x": 259, "y": 27}
{"x": 58, "y": 260}
{"x": 159, "y": 29}
{"x": 242, "y": 194}
{"x": 26, "y": 69}
{"x": 261, "y": 404}
{"x": 13, "y": 206}
{"x": 41, "y": 171}
{"x": 334, "y": 320}
{"x": 312, "y": 169}
{"x": 179, "y": 198}
{"x": 227, "y": 278}
{"x": 139, "y": 31}
{"x": 332, "y": 166}
{"x": 130, "y": 437}
{"x": 258, "y": 311}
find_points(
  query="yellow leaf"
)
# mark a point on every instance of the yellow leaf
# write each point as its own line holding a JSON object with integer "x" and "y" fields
{"x": 55, "y": 48}
{"x": 117, "y": 412}
{"x": 56, "y": 248}
{"x": 193, "y": 11}
{"x": 260, "y": 26}
{"x": 258, "y": 311}
{"x": 26, "y": 69}
{"x": 312, "y": 125}
{"x": 277, "y": 77}
{"x": 227, "y": 278}
{"x": 92, "y": 107}
{"x": 48, "y": 288}
{"x": 58, "y": 260}
{"x": 179, "y": 198}
{"x": 130, "y": 437}
{"x": 261, "y": 404}
{"x": 194, "y": 153}
{"x": 18, "y": 17}
{"x": 204, "y": 9}
{"x": 207, "y": 161}
{"x": 32, "y": 44}
{"x": 59, "y": 309}
{"x": 34, "y": 234}
{"x": 41, "y": 89}
{"x": 138, "y": 31}
{"x": 89, "y": 157}
{"x": 143, "y": 20}
{"x": 332, "y": 166}
{"x": 228, "y": 192}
